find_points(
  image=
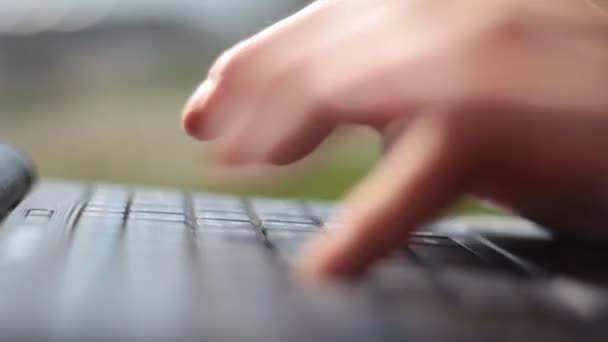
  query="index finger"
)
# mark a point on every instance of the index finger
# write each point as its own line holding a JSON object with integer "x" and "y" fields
{"x": 422, "y": 174}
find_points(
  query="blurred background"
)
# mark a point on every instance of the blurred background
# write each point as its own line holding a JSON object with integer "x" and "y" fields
{"x": 92, "y": 90}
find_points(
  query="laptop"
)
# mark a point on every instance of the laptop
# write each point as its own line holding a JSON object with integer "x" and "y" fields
{"x": 106, "y": 262}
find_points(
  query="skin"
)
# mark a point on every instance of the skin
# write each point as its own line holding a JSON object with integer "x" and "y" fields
{"x": 504, "y": 99}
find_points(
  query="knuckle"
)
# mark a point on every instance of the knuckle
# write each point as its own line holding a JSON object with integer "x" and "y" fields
{"x": 228, "y": 67}
{"x": 321, "y": 90}
{"x": 299, "y": 87}
{"x": 232, "y": 63}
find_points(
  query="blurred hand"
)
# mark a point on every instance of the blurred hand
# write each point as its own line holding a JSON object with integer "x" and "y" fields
{"x": 506, "y": 99}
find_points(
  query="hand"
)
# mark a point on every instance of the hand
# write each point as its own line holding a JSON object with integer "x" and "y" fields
{"x": 506, "y": 99}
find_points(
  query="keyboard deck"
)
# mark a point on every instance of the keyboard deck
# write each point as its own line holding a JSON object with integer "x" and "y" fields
{"x": 163, "y": 261}
{"x": 279, "y": 225}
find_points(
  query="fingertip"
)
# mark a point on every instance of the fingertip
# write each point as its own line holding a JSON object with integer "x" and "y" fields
{"x": 194, "y": 112}
{"x": 324, "y": 260}
{"x": 190, "y": 123}
{"x": 398, "y": 196}
{"x": 311, "y": 265}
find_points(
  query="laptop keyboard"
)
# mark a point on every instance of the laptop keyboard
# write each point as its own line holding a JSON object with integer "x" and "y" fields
{"x": 280, "y": 226}
{"x": 136, "y": 251}
{"x": 283, "y": 226}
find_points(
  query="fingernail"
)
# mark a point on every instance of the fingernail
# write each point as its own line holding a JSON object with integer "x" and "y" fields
{"x": 199, "y": 99}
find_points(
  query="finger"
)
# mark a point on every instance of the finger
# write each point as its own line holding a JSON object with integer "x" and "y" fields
{"x": 192, "y": 118}
{"x": 267, "y": 141}
{"x": 223, "y": 97}
{"x": 283, "y": 129}
{"x": 421, "y": 175}
{"x": 242, "y": 73}
{"x": 392, "y": 131}
{"x": 324, "y": 42}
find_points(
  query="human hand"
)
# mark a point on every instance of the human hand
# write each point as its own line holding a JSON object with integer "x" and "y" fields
{"x": 505, "y": 99}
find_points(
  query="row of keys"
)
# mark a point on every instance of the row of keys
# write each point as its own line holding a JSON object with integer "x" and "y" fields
{"x": 214, "y": 211}
{"x": 119, "y": 200}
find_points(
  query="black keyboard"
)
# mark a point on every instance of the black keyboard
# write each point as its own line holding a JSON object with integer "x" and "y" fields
{"x": 280, "y": 225}
{"x": 115, "y": 257}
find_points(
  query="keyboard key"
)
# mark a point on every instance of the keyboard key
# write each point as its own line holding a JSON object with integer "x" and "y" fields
{"x": 237, "y": 254}
{"x": 89, "y": 269}
{"x": 105, "y": 209}
{"x": 39, "y": 212}
{"x": 221, "y": 215}
{"x": 286, "y": 218}
{"x": 219, "y": 207}
{"x": 159, "y": 259}
{"x": 108, "y": 204}
{"x": 157, "y": 216}
{"x": 103, "y": 214}
{"x": 38, "y": 216}
{"x": 217, "y": 233}
{"x": 214, "y": 234}
{"x": 158, "y": 196}
{"x": 288, "y": 226}
{"x": 212, "y": 202}
{"x": 157, "y": 208}
{"x": 229, "y": 235}
{"x": 103, "y": 224}
{"x": 222, "y": 225}
{"x": 151, "y": 235}
{"x": 281, "y": 207}
{"x": 107, "y": 189}
{"x": 291, "y": 234}
{"x": 110, "y": 196}
{"x": 156, "y": 225}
